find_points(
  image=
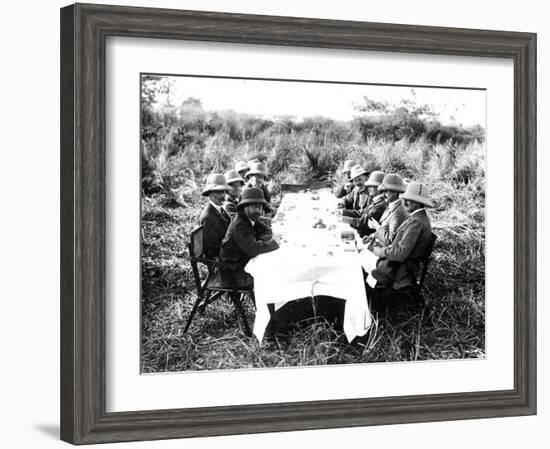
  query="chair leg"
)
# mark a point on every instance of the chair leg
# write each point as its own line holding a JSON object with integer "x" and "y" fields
{"x": 203, "y": 304}
{"x": 418, "y": 296}
{"x": 209, "y": 300}
{"x": 421, "y": 300}
{"x": 192, "y": 314}
{"x": 235, "y": 297}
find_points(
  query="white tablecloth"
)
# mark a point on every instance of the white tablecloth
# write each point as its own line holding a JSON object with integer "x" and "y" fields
{"x": 368, "y": 261}
{"x": 310, "y": 262}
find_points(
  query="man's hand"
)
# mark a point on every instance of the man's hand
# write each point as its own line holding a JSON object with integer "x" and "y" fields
{"x": 373, "y": 224}
{"x": 266, "y": 221}
{"x": 379, "y": 251}
{"x": 272, "y": 244}
{"x": 340, "y": 205}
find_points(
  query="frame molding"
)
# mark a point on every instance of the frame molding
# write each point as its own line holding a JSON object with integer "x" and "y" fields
{"x": 84, "y": 29}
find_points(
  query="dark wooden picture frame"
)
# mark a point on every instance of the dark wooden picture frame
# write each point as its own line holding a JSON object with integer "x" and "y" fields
{"x": 84, "y": 29}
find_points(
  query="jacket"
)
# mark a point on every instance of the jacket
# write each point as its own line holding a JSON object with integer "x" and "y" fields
{"x": 390, "y": 221}
{"x": 230, "y": 204}
{"x": 215, "y": 225}
{"x": 375, "y": 209}
{"x": 243, "y": 241}
{"x": 400, "y": 266}
{"x": 343, "y": 191}
{"x": 356, "y": 200}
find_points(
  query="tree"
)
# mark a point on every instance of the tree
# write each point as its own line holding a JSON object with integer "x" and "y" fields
{"x": 406, "y": 119}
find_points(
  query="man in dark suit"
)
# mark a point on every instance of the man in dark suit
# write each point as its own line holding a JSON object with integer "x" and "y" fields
{"x": 213, "y": 218}
{"x": 399, "y": 262}
{"x": 375, "y": 206}
{"x": 247, "y": 236}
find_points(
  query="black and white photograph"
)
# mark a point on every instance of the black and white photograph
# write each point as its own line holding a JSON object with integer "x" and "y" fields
{"x": 298, "y": 223}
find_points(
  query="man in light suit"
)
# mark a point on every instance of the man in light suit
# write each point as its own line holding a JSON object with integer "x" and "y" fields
{"x": 213, "y": 218}
{"x": 257, "y": 178}
{"x": 241, "y": 167}
{"x": 232, "y": 198}
{"x": 399, "y": 262}
{"x": 347, "y": 187}
{"x": 392, "y": 186}
{"x": 358, "y": 199}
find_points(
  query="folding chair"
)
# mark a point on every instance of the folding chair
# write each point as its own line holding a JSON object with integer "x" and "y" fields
{"x": 414, "y": 291}
{"x": 212, "y": 288}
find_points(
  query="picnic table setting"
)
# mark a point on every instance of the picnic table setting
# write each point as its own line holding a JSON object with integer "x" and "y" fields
{"x": 318, "y": 255}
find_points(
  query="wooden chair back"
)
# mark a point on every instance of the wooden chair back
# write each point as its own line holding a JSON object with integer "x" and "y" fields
{"x": 196, "y": 242}
{"x": 196, "y": 256}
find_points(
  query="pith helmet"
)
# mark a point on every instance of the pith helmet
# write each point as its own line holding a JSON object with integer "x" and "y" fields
{"x": 252, "y": 195}
{"x": 215, "y": 183}
{"x": 241, "y": 166}
{"x": 257, "y": 168}
{"x": 418, "y": 192}
{"x": 392, "y": 182}
{"x": 347, "y": 166}
{"x": 233, "y": 176}
{"x": 375, "y": 179}
{"x": 356, "y": 171}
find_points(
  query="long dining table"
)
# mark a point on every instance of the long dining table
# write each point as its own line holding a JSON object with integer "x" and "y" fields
{"x": 318, "y": 255}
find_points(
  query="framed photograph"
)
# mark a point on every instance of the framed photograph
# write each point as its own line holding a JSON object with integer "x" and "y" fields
{"x": 273, "y": 223}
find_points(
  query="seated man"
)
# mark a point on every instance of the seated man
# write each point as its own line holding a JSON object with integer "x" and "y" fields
{"x": 247, "y": 236}
{"x": 375, "y": 206}
{"x": 232, "y": 198}
{"x": 392, "y": 186}
{"x": 347, "y": 187}
{"x": 213, "y": 218}
{"x": 241, "y": 167}
{"x": 399, "y": 262}
{"x": 355, "y": 201}
{"x": 257, "y": 177}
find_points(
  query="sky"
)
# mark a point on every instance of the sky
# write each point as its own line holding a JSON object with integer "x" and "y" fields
{"x": 303, "y": 99}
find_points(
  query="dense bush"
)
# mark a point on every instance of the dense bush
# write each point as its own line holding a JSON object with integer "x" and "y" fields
{"x": 396, "y": 140}
{"x": 408, "y": 120}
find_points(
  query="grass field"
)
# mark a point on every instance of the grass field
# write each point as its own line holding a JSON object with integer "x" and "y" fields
{"x": 177, "y": 154}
